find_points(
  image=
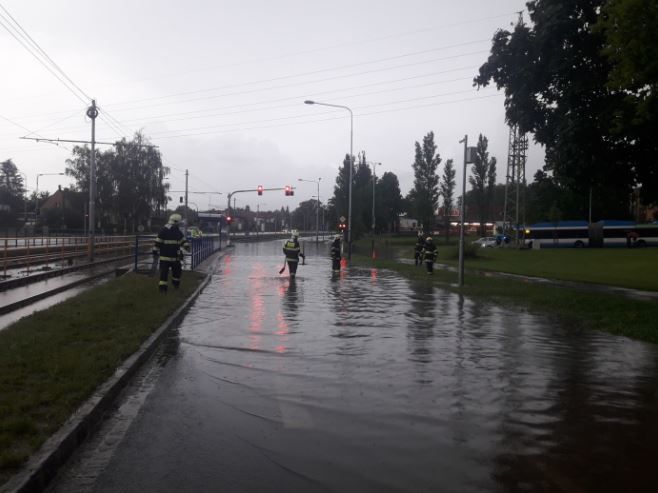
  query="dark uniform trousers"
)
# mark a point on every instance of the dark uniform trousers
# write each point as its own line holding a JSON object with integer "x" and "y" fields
{"x": 335, "y": 257}
{"x": 176, "y": 272}
{"x": 429, "y": 256}
{"x": 292, "y": 250}
{"x": 168, "y": 244}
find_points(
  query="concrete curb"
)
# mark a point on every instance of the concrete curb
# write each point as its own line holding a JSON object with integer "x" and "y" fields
{"x": 42, "y": 467}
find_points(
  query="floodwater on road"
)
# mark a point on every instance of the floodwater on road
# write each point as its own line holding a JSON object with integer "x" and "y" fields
{"x": 364, "y": 381}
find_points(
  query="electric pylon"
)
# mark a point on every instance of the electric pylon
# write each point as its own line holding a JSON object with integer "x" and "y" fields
{"x": 515, "y": 184}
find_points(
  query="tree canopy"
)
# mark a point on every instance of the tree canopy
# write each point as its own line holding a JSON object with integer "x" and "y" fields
{"x": 12, "y": 192}
{"x": 130, "y": 181}
{"x": 567, "y": 81}
{"x": 425, "y": 194}
{"x": 483, "y": 180}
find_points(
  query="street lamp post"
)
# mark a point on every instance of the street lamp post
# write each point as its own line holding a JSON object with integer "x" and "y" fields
{"x": 36, "y": 193}
{"x": 349, "y": 192}
{"x": 317, "y": 210}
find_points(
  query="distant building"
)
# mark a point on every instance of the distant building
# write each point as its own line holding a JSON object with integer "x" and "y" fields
{"x": 408, "y": 224}
{"x": 64, "y": 199}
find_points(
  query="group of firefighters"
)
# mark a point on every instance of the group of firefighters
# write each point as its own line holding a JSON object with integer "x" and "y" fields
{"x": 171, "y": 243}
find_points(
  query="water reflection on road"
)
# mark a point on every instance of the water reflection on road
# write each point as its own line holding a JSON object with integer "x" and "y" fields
{"x": 365, "y": 381}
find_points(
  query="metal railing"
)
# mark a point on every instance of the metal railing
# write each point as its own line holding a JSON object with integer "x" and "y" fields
{"x": 200, "y": 250}
{"x": 31, "y": 251}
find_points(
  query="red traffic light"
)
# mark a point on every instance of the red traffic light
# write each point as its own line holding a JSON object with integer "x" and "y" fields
{"x": 260, "y": 189}
{"x": 342, "y": 226}
{"x": 288, "y": 190}
{"x": 229, "y": 219}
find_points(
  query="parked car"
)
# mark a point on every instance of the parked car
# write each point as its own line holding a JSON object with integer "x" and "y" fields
{"x": 486, "y": 242}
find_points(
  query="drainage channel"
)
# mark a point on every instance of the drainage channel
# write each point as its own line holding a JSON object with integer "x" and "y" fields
{"x": 24, "y": 300}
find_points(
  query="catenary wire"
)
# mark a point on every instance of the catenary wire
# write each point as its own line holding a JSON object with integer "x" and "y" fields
{"x": 156, "y": 137}
{"x": 302, "y": 74}
{"x": 43, "y": 53}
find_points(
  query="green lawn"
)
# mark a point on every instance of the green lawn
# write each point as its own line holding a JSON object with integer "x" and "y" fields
{"x": 51, "y": 361}
{"x": 630, "y": 268}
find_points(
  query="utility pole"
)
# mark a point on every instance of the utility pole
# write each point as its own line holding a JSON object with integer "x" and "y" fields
{"x": 469, "y": 157}
{"x": 186, "y": 192}
{"x": 92, "y": 112}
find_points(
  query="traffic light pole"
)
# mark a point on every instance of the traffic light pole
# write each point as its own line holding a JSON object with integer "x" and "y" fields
{"x": 228, "y": 209}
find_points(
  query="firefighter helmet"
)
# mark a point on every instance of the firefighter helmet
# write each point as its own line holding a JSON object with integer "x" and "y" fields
{"x": 175, "y": 218}
{"x": 428, "y": 239}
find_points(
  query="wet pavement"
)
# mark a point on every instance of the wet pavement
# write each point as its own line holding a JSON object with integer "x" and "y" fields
{"x": 365, "y": 381}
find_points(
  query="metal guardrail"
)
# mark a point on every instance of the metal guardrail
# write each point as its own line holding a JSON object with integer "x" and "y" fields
{"x": 33, "y": 251}
{"x": 200, "y": 249}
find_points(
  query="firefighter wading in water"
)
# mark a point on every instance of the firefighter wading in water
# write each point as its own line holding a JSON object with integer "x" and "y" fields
{"x": 292, "y": 251}
{"x": 169, "y": 246}
{"x": 335, "y": 254}
{"x": 429, "y": 254}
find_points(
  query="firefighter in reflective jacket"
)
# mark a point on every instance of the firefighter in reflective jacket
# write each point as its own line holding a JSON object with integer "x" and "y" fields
{"x": 335, "y": 254}
{"x": 292, "y": 251}
{"x": 169, "y": 245}
{"x": 429, "y": 254}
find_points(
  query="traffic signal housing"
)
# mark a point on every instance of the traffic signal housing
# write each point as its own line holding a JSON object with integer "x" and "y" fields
{"x": 229, "y": 219}
{"x": 260, "y": 189}
{"x": 289, "y": 191}
{"x": 342, "y": 227}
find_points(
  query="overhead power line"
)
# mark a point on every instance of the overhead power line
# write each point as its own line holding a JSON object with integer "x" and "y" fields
{"x": 312, "y": 72}
{"x": 325, "y": 48}
{"x": 267, "y": 105}
{"x": 14, "y": 28}
{"x": 24, "y": 39}
{"x": 424, "y": 105}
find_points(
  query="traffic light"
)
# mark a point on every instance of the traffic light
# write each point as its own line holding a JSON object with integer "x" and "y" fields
{"x": 342, "y": 227}
{"x": 229, "y": 219}
{"x": 260, "y": 189}
{"x": 289, "y": 191}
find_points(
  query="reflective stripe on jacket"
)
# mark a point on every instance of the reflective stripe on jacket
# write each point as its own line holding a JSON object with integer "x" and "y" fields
{"x": 169, "y": 242}
{"x": 291, "y": 250}
{"x": 429, "y": 253}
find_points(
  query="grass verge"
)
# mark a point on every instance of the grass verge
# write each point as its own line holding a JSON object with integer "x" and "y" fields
{"x": 576, "y": 308}
{"x": 635, "y": 268}
{"x": 53, "y": 360}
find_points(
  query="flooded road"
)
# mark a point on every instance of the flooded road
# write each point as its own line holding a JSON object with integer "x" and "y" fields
{"x": 368, "y": 382}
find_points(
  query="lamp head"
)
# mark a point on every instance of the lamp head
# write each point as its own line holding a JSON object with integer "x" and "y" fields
{"x": 308, "y": 101}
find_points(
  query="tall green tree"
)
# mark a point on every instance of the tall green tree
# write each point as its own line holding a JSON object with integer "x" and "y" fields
{"x": 303, "y": 217}
{"x": 12, "y": 194}
{"x": 425, "y": 194}
{"x": 362, "y": 197}
{"x": 483, "y": 180}
{"x": 555, "y": 76}
{"x": 389, "y": 202}
{"x": 447, "y": 190}
{"x": 629, "y": 28}
{"x": 338, "y": 203}
{"x": 130, "y": 187}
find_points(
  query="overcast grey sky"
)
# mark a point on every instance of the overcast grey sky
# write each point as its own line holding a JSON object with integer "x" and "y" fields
{"x": 220, "y": 85}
